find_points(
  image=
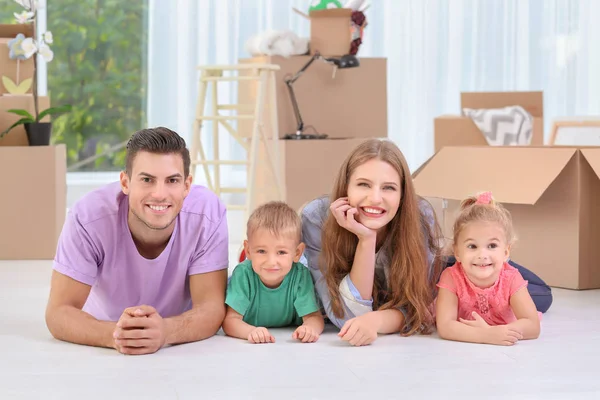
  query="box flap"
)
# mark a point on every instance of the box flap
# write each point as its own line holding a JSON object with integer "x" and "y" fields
{"x": 331, "y": 13}
{"x": 518, "y": 175}
{"x": 533, "y": 102}
{"x": 593, "y": 158}
{"x": 12, "y": 30}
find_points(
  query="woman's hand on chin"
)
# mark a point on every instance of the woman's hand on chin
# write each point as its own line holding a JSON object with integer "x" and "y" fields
{"x": 345, "y": 215}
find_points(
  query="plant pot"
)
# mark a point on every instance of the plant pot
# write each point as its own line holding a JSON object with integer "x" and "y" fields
{"x": 38, "y": 133}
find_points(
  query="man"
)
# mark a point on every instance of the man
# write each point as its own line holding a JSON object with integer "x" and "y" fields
{"x": 142, "y": 263}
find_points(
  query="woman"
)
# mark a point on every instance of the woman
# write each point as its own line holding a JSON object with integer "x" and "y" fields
{"x": 372, "y": 248}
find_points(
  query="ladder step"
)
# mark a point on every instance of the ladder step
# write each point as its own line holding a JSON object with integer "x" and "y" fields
{"x": 225, "y": 117}
{"x": 229, "y": 78}
{"x": 220, "y": 162}
{"x": 235, "y": 107}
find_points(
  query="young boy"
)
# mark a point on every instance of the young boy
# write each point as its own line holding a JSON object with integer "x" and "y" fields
{"x": 271, "y": 288}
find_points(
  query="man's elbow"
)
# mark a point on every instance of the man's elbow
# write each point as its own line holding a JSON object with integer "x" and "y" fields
{"x": 51, "y": 318}
{"x": 217, "y": 316}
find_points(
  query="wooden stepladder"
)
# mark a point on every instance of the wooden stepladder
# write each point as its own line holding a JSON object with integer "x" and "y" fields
{"x": 263, "y": 76}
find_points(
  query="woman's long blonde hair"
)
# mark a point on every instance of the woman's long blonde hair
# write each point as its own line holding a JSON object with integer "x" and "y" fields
{"x": 410, "y": 237}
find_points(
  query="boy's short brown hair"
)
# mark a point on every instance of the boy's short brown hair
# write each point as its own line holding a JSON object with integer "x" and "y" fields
{"x": 278, "y": 218}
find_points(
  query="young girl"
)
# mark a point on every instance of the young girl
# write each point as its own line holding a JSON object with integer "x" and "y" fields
{"x": 371, "y": 247}
{"x": 482, "y": 299}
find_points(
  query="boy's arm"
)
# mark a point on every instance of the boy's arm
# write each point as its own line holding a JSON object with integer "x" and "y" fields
{"x": 315, "y": 321}
{"x": 311, "y": 328}
{"x": 528, "y": 321}
{"x": 234, "y": 325}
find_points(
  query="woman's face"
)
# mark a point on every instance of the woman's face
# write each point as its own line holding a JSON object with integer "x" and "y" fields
{"x": 374, "y": 189}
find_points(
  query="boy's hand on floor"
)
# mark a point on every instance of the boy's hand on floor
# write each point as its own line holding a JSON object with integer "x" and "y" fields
{"x": 260, "y": 335}
{"x": 306, "y": 334}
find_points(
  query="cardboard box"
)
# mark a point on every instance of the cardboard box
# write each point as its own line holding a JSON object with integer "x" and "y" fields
{"x": 33, "y": 213}
{"x": 17, "y": 136}
{"x": 308, "y": 169}
{"x": 331, "y": 31}
{"x": 8, "y": 67}
{"x": 351, "y": 104}
{"x": 456, "y": 130}
{"x": 551, "y": 192}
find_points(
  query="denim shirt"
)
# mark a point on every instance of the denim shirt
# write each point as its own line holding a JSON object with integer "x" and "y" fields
{"x": 313, "y": 216}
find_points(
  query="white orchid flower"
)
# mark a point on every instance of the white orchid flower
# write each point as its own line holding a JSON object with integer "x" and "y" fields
{"x": 47, "y": 36}
{"x": 28, "y": 4}
{"x": 28, "y": 46}
{"x": 46, "y": 53}
{"x": 24, "y": 17}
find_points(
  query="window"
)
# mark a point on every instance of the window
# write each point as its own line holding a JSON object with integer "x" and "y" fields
{"x": 99, "y": 67}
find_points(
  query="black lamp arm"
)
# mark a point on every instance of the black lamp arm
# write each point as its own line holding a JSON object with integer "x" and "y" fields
{"x": 290, "y": 84}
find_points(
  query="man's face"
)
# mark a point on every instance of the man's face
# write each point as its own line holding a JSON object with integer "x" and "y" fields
{"x": 156, "y": 188}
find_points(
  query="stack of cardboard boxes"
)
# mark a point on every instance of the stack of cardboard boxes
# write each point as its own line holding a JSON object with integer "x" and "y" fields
{"x": 348, "y": 105}
{"x": 33, "y": 201}
{"x": 551, "y": 192}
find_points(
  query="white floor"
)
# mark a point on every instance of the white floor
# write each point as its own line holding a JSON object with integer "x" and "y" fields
{"x": 562, "y": 364}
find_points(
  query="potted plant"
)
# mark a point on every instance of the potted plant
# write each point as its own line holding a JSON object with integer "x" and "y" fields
{"x": 22, "y": 48}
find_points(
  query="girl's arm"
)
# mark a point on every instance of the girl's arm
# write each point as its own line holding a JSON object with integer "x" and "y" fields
{"x": 473, "y": 331}
{"x": 448, "y": 326}
{"x": 528, "y": 321}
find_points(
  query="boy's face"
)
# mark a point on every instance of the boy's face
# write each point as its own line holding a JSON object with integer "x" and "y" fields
{"x": 272, "y": 256}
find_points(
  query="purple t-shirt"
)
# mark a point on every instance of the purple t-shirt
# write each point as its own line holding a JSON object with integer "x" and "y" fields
{"x": 96, "y": 248}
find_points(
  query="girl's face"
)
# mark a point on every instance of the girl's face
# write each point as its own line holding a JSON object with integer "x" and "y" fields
{"x": 374, "y": 189}
{"x": 482, "y": 250}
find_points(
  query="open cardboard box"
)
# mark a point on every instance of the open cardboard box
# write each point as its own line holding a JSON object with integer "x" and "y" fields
{"x": 457, "y": 130}
{"x": 330, "y": 31}
{"x": 551, "y": 192}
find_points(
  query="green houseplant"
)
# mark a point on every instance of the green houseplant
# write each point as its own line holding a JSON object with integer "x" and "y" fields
{"x": 22, "y": 48}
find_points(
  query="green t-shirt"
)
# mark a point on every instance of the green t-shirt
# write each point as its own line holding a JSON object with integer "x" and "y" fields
{"x": 271, "y": 308}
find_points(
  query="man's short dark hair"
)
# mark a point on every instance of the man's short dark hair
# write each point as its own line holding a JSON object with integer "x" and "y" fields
{"x": 159, "y": 140}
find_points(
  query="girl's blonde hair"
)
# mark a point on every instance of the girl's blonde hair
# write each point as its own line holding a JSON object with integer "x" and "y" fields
{"x": 483, "y": 207}
{"x": 411, "y": 237}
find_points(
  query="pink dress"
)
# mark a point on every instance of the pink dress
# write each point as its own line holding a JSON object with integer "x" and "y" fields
{"x": 493, "y": 303}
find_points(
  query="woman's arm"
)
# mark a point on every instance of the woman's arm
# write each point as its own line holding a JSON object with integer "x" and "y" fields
{"x": 313, "y": 218}
{"x": 362, "y": 273}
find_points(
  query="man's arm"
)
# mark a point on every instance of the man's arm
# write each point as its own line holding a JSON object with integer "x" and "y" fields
{"x": 65, "y": 319}
{"x": 207, "y": 313}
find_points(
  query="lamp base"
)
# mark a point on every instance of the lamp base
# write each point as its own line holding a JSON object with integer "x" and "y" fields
{"x": 304, "y": 136}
